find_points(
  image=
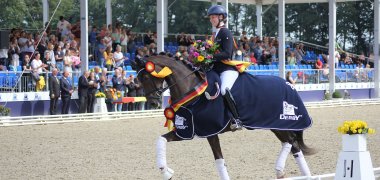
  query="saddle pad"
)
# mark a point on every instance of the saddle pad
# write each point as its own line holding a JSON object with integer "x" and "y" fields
{"x": 263, "y": 102}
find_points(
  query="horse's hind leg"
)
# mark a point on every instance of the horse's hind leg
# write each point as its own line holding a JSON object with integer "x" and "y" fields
{"x": 219, "y": 161}
{"x": 289, "y": 143}
{"x": 166, "y": 172}
{"x": 300, "y": 159}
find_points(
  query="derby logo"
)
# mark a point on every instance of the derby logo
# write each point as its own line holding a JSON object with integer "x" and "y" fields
{"x": 179, "y": 122}
{"x": 288, "y": 112}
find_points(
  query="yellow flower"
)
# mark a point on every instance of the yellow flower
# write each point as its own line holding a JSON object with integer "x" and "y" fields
{"x": 210, "y": 42}
{"x": 371, "y": 131}
{"x": 360, "y": 131}
{"x": 201, "y": 58}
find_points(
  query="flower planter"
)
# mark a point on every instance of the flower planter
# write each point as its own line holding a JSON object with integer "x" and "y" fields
{"x": 100, "y": 105}
{"x": 354, "y": 142}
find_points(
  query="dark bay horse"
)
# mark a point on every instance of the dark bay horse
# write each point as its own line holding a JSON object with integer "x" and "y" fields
{"x": 180, "y": 79}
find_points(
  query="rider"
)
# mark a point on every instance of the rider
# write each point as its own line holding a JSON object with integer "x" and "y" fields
{"x": 228, "y": 74}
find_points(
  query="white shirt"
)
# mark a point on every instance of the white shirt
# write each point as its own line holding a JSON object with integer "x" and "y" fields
{"x": 36, "y": 64}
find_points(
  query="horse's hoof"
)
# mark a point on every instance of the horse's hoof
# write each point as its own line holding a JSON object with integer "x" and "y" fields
{"x": 167, "y": 173}
{"x": 235, "y": 127}
{"x": 280, "y": 174}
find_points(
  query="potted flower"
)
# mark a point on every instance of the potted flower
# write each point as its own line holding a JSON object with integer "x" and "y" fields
{"x": 354, "y": 135}
{"x": 327, "y": 96}
{"x": 100, "y": 102}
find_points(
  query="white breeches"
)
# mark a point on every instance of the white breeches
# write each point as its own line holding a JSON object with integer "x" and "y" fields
{"x": 228, "y": 79}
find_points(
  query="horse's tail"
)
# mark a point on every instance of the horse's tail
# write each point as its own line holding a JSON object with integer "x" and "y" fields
{"x": 307, "y": 151}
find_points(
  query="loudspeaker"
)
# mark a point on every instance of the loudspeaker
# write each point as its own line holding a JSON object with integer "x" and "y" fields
{"x": 4, "y": 39}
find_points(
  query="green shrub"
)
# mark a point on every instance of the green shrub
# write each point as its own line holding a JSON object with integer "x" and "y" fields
{"x": 337, "y": 94}
{"x": 4, "y": 111}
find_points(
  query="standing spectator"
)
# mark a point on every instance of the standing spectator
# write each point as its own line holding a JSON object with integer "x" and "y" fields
{"x": 148, "y": 38}
{"x": 92, "y": 39}
{"x": 63, "y": 27}
{"x": 259, "y": 52}
{"x": 118, "y": 83}
{"x": 140, "y": 93}
{"x": 101, "y": 49}
{"x": 91, "y": 92}
{"x": 38, "y": 67}
{"x": 29, "y": 47}
{"x": 124, "y": 40}
{"x": 115, "y": 36}
{"x": 66, "y": 92}
{"x": 83, "y": 86}
{"x": 54, "y": 89}
{"x": 67, "y": 62}
{"x": 118, "y": 57}
{"x": 27, "y": 68}
{"x": 14, "y": 51}
{"x": 108, "y": 56}
{"x": 299, "y": 53}
{"x": 103, "y": 80}
{"x": 131, "y": 90}
{"x": 3, "y": 56}
{"x": 181, "y": 39}
{"x": 59, "y": 54}
{"x": 131, "y": 43}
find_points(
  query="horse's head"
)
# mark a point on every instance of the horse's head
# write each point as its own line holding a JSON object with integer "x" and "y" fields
{"x": 152, "y": 85}
{"x": 155, "y": 70}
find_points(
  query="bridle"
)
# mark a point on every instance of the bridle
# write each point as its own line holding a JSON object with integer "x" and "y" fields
{"x": 158, "y": 91}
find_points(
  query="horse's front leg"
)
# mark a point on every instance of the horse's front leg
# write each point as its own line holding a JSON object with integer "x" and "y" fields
{"x": 219, "y": 161}
{"x": 166, "y": 172}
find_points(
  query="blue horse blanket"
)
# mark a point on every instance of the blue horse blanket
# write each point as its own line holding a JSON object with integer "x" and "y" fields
{"x": 263, "y": 102}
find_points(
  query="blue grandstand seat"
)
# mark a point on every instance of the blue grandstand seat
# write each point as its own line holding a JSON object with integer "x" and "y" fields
{"x": 133, "y": 56}
{"x": 170, "y": 43}
{"x": 19, "y": 68}
{"x": 128, "y": 68}
{"x": 128, "y": 55}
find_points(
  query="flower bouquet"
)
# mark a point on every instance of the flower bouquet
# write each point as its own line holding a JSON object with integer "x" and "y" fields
{"x": 201, "y": 53}
{"x": 355, "y": 127}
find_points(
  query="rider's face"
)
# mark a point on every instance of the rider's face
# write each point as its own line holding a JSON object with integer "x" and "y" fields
{"x": 214, "y": 19}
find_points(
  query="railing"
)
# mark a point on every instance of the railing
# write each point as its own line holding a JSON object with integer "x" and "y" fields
{"x": 314, "y": 76}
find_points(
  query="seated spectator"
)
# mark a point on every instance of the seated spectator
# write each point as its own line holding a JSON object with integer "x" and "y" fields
{"x": 292, "y": 59}
{"x": 318, "y": 64}
{"x": 289, "y": 78}
{"x": 252, "y": 58}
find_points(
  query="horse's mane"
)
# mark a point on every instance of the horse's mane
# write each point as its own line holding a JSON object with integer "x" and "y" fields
{"x": 165, "y": 60}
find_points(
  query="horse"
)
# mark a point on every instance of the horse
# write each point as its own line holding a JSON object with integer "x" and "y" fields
{"x": 180, "y": 78}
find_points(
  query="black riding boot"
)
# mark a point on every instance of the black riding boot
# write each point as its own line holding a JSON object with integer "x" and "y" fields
{"x": 229, "y": 101}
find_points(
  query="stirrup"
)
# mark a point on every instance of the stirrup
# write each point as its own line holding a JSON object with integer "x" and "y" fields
{"x": 167, "y": 173}
{"x": 237, "y": 125}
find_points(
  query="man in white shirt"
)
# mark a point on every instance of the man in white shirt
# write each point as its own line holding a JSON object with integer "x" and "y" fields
{"x": 63, "y": 27}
